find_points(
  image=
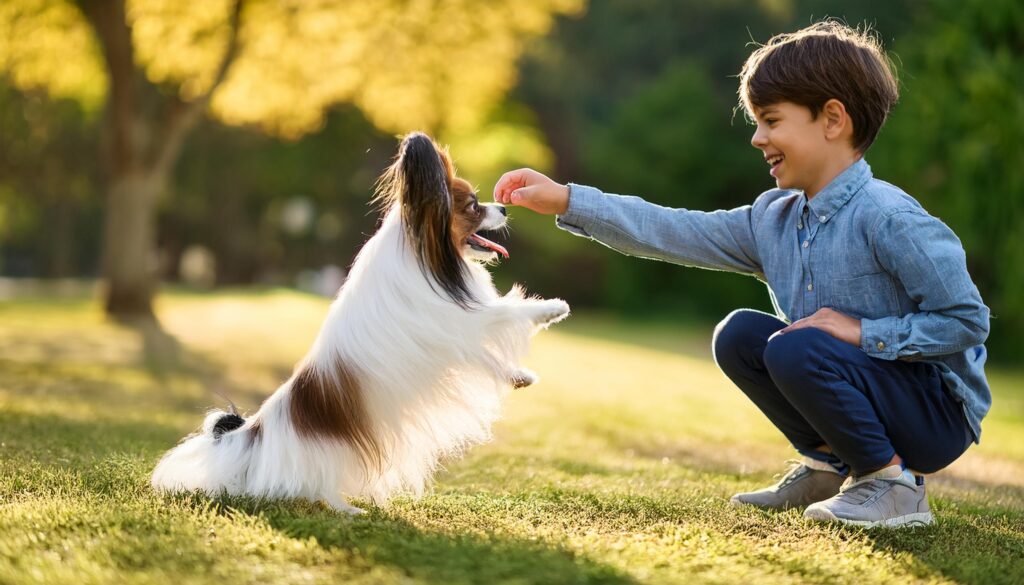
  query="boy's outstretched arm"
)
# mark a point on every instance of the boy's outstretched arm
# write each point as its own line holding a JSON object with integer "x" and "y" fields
{"x": 720, "y": 240}
{"x": 532, "y": 190}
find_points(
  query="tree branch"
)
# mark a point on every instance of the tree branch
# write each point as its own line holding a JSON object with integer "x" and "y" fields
{"x": 107, "y": 18}
{"x": 181, "y": 115}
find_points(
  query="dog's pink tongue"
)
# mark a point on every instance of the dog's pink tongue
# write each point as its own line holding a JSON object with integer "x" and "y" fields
{"x": 477, "y": 238}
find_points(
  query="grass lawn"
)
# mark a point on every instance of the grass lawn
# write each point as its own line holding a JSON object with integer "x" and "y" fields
{"x": 615, "y": 468}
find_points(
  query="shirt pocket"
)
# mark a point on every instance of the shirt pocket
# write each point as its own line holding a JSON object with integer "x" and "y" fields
{"x": 871, "y": 296}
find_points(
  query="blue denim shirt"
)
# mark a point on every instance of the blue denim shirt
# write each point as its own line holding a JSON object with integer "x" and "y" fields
{"x": 861, "y": 247}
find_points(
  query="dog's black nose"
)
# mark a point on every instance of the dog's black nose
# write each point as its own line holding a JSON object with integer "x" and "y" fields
{"x": 501, "y": 208}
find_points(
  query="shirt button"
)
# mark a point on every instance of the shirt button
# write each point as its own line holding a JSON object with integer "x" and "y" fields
{"x": 822, "y": 219}
{"x": 806, "y": 243}
{"x": 880, "y": 345}
{"x": 810, "y": 286}
{"x": 800, "y": 225}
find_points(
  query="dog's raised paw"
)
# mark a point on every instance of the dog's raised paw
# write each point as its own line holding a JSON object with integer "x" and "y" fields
{"x": 523, "y": 378}
{"x": 554, "y": 310}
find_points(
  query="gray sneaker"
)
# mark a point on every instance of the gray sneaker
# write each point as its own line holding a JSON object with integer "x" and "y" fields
{"x": 800, "y": 486}
{"x": 889, "y": 497}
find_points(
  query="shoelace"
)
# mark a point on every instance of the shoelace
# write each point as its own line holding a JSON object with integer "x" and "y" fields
{"x": 792, "y": 474}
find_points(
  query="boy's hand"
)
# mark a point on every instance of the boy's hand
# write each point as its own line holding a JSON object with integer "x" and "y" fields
{"x": 836, "y": 324}
{"x": 532, "y": 190}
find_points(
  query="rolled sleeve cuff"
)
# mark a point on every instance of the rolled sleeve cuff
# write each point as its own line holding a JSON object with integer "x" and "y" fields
{"x": 584, "y": 203}
{"x": 878, "y": 338}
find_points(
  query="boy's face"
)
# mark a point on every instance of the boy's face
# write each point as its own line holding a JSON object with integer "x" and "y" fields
{"x": 795, "y": 146}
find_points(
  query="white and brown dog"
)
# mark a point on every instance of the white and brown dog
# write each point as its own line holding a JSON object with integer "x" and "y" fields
{"x": 409, "y": 367}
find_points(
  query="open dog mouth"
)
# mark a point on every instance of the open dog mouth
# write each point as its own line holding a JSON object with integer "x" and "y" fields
{"x": 482, "y": 244}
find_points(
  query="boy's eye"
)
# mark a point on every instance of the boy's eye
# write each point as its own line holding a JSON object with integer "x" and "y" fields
{"x": 770, "y": 121}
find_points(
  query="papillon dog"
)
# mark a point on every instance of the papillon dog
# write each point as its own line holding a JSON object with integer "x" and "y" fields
{"x": 410, "y": 366}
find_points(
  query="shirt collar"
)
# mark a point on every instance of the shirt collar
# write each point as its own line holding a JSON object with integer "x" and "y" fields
{"x": 842, "y": 188}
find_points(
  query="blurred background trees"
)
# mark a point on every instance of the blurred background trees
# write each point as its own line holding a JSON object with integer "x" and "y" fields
{"x": 634, "y": 97}
{"x": 158, "y": 64}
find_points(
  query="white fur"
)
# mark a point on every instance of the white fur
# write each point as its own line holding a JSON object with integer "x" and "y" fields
{"x": 432, "y": 375}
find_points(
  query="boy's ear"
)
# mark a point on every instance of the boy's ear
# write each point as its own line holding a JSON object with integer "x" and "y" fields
{"x": 837, "y": 121}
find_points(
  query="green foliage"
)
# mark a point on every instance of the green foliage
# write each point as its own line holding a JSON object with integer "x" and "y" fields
{"x": 632, "y": 97}
{"x": 48, "y": 203}
{"x": 953, "y": 143}
{"x": 244, "y": 179}
{"x": 615, "y": 468}
{"x": 635, "y": 99}
{"x": 406, "y": 65}
{"x": 674, "y": 141}
{"x": 46, "y": 44}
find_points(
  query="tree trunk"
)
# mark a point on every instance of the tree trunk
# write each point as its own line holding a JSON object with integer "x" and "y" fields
{"x": 129, "y": 243}
{"x": 60, "y": 248}
{"x": 144, "y": 130}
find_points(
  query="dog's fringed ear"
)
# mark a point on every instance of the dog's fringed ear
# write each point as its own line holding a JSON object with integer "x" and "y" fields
{"x": 424, "y": 177}
{"x": 418, "y": 181}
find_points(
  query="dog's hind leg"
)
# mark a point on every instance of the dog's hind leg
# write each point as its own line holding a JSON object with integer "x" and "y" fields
{"x": 338, "y": 503}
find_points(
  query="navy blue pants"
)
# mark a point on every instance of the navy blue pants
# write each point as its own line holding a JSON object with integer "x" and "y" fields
{"x": 820, "y": 391}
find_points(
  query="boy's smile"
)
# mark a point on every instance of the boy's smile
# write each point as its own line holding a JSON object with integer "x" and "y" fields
{"x": 800, "y": 149}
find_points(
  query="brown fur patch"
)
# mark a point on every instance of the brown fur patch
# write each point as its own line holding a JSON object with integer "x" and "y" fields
{"x": 467, "y": 213}
{"x": 330, "y": 406}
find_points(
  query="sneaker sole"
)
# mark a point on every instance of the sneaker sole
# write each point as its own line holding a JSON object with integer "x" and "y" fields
{"x": 741, "y": 503}
{"x": 907, "y": 521}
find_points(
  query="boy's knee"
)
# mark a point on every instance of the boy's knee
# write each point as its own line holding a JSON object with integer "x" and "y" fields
{"x": 729, "y": 335}
{"x": 740, "y": 331}
{"x": 788, "y": 357}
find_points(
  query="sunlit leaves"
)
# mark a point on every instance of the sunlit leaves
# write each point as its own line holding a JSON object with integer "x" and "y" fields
{"x": 432, "y": 64}
{"x": 180, "y": 43}
{"x": 406, "y": 64}
{"x": 47, "y": 44}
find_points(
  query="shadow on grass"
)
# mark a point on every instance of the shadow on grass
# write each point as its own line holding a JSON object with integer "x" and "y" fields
{"x": 163, "y": 355}
{"x": 51, "y": 437}
{"x": 728, "y": 459}
{"x": 459, "y": 555}
{"x": 966, "y": 548}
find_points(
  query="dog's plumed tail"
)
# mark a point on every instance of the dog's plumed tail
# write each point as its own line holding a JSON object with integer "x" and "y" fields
{"x": 225, "y": 423}
{"x": 202, "y": 460}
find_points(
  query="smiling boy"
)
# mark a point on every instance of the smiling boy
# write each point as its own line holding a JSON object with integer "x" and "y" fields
{"x": 873, "y": 364}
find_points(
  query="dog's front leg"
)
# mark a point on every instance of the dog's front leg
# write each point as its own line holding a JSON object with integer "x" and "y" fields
{"x": 540, "y": 312}
{"x": 545, "y": 312}
{"x": 522, "y": 377}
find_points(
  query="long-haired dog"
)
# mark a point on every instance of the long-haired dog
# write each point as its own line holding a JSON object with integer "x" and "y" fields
{"x": 410, "y": 366}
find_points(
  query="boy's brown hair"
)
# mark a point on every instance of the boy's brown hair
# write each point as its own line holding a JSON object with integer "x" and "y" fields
{"x": 824, "y": 61}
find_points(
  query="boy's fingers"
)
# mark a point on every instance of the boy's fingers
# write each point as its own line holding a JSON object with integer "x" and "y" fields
{"x": 507, "y": 183}
{"x": 798, "y": 324}
{"x": 520, "y": 195}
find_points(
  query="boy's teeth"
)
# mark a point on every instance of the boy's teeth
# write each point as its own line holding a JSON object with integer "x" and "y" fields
{"x": 775, "y": 160}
